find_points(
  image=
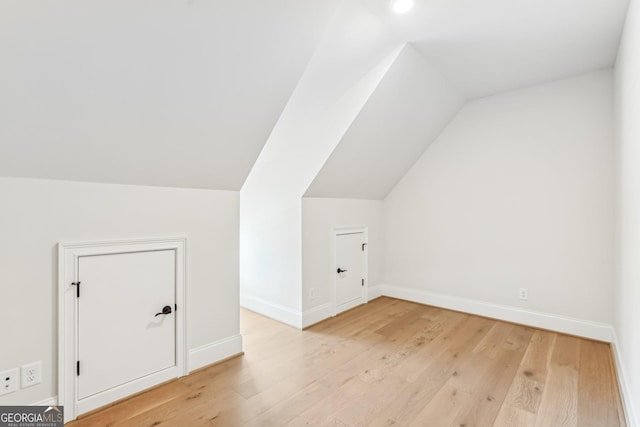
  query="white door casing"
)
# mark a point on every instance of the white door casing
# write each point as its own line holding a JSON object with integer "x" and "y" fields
{"x": 111, "y": 328}
{"x": 350, "y": 286}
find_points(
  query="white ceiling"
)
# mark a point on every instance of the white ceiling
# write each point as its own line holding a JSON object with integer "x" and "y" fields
{"x": 185, "y": 93}
{"x": 490, "y": 46}
{"x": 168, "y": 92}
{"x": 481, "y": 47}
{"x": 408, "y": 109}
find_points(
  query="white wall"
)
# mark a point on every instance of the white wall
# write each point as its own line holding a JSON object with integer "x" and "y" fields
{"x": 319, "y": 218}
{"x": 516, "y": 192}
{"x": 627, "y": 298}
{"x": 347, "y": 66}
{"x": 37, "y": 214}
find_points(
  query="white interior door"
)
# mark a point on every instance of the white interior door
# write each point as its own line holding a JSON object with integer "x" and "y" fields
{"x": 123, "y": 344}
{"x": 350, "y": 271}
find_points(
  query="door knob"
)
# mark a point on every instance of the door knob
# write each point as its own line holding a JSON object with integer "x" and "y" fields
{"x": 165, "y": 310}
{"x": 341, "y": 270}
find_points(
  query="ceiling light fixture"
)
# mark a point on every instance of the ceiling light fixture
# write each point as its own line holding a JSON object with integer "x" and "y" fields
{"x": 401, "y": 6}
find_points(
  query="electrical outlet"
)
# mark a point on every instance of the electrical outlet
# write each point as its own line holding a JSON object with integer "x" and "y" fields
{"x": 312, "y": 294}
{"x": 524, "y": 294}
{"x": 8, "y": 381}
{"x": 31, "y": 374}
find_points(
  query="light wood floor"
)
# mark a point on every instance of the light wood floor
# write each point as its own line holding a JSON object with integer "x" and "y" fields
{"x": 389, "y": 362}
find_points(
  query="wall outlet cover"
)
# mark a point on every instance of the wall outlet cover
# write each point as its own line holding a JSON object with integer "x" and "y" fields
{"x": 31, "y": 374}
{"x": 523, "y": 294}
{"x": 8, "y": 381}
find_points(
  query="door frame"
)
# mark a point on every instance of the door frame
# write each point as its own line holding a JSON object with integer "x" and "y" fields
{"x": 69, "y": 254}
{"x": 338, "y": 231}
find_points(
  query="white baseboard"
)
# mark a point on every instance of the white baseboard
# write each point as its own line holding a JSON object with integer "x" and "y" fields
{"x": 374, "y": 292}
{"x": 275, "y": 311}
{"x": 317, "y": 314}
{"x": 625, "y": 390}
{"x": 214, "y": 352}
{"x": 52, "y": 401}
{"x": 553, "y": 322}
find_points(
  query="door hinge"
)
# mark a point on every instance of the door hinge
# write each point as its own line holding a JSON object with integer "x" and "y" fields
{"x": 77, "y": 285}
{"x": 78, "y": 368}
{"x": 362, "y": 282}
{"x": 363, "y": 245}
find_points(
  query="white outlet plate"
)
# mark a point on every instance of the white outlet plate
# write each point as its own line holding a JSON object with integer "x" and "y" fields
{"x": 31, "y": 374}
{"x": 312, "y": 294}
{"x": 523, "y": 294}
{"x": 8, "y": 381}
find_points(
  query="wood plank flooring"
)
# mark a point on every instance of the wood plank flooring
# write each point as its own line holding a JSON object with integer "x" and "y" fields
{"x": 389, "y": 362}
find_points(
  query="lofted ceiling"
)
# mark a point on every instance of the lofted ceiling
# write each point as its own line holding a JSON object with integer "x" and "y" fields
{"x": 408, "y": 109}
{"x": 180, "y": 93}
{"x": 488, "y": 46}
{"x": 480, "y": 47}
{"x": 185, "y": 93}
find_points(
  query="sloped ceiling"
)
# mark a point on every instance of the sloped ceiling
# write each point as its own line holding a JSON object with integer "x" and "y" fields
{"x": 490, "y": 46}
{"x": 185, "y": 93}
{"x": 407, "y": 111}
{"x": 481, "y": 47}
{"x": 177, "y": 93}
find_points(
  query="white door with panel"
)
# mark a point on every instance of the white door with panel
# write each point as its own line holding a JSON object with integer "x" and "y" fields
{"x": 350, "y": 270}
{"x": 126, "y": 324}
